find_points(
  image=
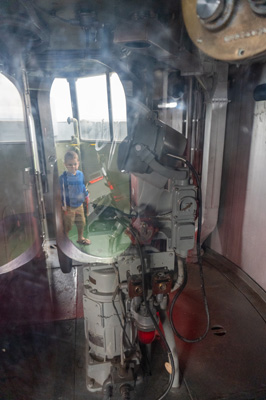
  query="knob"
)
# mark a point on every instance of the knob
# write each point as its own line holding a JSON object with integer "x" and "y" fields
{"x": 210, "y": 10}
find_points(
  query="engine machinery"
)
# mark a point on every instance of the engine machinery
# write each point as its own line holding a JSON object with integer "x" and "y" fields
{"x": 126, "y": 295}
{"x": 124, "y": 300}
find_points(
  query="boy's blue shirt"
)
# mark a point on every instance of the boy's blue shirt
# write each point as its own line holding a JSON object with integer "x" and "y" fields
{"x": 73, "y": 189}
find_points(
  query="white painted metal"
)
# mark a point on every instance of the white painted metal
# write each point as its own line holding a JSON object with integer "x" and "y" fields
{"x": 213, "y": 151}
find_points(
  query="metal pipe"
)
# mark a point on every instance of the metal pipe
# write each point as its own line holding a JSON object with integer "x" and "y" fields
{"x": 188, "y": 131}
{"x": 110, "y": 111}
{"x": 194, "y": 128}
{"x": 169, "y": 336}
{"x": 165, "y": 93}
{"x": 34, "y": 149}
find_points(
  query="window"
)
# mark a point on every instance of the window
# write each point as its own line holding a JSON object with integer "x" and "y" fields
{"x": 93, "y": 103}
{"x": 18, "y": 224}
{"x": 118, "y": 100}
{"x": 61, "y": 110}
{"x": 93, "y": 108}
{"x": 12, "y": 128}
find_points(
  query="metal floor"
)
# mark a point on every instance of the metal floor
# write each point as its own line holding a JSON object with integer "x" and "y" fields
{"x": 42, "y": 347}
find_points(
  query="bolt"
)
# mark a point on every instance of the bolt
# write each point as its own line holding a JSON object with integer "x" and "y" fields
{"x": 138, "y": 289}
{"x": 162, "y": 287}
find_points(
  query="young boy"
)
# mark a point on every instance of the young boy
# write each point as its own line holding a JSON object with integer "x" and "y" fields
{"x": 73, "y": 195}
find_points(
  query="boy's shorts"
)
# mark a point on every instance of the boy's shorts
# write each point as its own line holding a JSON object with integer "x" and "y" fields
{"x": 74, "y": 215}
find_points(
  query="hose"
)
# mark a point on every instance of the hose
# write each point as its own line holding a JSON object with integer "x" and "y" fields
{"x": 198, "y": 339}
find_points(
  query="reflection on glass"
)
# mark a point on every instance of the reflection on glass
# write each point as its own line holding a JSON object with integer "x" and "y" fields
{"x": 119, "y": 112}
{"x": 74, "y": 197}
{"x": 16, "y": 197}
{"x": 61, "y": 109}
{"x": 93, "y": 108}
{"x": 11, "y": 113}
{"x": 89, "y": 166}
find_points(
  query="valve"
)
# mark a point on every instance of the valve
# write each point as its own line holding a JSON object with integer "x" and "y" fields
{"x": 214, "y": 14}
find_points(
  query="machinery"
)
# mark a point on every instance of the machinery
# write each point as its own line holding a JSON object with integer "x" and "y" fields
{"x": 162, "y": 52}
{"x": 125, "y": 300}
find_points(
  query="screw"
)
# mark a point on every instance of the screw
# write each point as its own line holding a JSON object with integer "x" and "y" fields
{"x": 162, "y": 286}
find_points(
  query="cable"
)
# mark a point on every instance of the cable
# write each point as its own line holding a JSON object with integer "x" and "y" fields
{"x": 156, "y": 326}
{"x": 198, "y": 339}
{"x": 169, "y": 353}
{"x": 123, "y": 327}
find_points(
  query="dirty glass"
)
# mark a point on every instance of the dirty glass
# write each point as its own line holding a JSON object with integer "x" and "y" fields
{"x": 88, "y": 111}
{"x": 61, "y": 109}
{"x": 17, "y": 220}
{"x": 93, "y": 108}
{"x": 118, "y": 101}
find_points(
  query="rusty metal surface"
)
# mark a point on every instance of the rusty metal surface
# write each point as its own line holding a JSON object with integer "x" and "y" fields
{"x": 240, "y": 35}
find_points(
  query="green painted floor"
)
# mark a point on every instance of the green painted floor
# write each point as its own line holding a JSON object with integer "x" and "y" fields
{"x": 104, "y": 240}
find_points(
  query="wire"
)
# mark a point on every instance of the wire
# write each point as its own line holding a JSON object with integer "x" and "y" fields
{"x": 156, "y": 326}
{"x": 198, "y": 339}
{"x": 123, "y": 326}
{"x": 169, "y": 353}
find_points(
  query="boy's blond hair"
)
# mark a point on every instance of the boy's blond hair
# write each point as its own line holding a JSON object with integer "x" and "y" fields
{"x": 70, "y": 155}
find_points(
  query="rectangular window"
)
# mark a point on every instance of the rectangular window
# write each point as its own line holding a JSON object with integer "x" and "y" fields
{"x": 12, "y": 125}
{"x": 61, "y": 110}
{"x": 93, "y": 108}
{"x": 118, "y": 100}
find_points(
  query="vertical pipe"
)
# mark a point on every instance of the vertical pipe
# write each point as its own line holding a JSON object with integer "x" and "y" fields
{"x": 34, "y": 150}
{"x": 37, "y": 175}
{"x": 188, "y": 131}
{"x": 169, "y": 336}
{"x": 110, "y": 107}
{"x": 194, "y": 124}
{"x": 165, "y": 94}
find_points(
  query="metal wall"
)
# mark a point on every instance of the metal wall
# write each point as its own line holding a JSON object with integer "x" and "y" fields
{"x": 240, "y": 234}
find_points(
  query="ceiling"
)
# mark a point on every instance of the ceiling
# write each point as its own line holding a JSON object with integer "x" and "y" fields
{"x": 68, "y": 34}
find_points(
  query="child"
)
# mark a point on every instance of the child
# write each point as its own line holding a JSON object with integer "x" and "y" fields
{"x": 73, "y": 195}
